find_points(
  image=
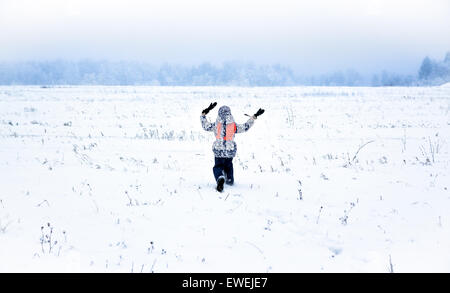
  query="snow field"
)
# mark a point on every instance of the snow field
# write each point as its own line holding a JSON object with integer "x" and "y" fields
{"x": 329, "y": 179}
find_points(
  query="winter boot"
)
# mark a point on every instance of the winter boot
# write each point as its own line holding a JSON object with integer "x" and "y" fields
{"x": 228, "y": 181}
{"x": 220, "y": 182}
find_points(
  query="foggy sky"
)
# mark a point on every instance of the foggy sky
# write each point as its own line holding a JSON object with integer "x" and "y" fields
{"x": 309, "y": 36}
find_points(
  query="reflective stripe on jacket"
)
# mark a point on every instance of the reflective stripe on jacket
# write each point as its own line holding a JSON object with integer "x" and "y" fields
{"x": 230, "y": 130}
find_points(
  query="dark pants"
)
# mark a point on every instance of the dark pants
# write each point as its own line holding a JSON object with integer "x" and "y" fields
{"x": 224, "y": 167}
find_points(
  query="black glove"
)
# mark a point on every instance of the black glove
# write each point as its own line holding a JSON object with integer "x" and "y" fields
{"x": 260, "y": 111}
{"x": 211, "y": 106}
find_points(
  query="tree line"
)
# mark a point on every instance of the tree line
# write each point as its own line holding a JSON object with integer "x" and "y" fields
{"x": 233, "y": 73}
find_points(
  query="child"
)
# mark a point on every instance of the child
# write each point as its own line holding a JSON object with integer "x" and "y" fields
{"x": 224, "y": 147}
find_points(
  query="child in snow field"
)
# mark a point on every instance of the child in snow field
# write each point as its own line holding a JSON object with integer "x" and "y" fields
{"x": 224, "y": 147}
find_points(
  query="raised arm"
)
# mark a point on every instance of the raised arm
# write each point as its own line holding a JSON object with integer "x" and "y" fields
{"x": 208, "y": 126}
{"x": 246, "y": 126}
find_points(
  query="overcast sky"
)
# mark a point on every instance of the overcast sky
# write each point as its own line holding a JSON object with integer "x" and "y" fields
{"x": 310, "y": 36}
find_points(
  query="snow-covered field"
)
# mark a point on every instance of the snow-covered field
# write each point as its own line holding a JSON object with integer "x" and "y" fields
{"x": 329, "y": 179}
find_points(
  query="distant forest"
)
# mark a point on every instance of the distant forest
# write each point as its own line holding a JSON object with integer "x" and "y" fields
{"x": 90, "y": 72}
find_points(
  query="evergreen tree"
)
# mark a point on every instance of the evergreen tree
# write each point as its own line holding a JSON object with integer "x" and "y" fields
{"x": 447, "y": 58}
{"x": 426, "y": 69}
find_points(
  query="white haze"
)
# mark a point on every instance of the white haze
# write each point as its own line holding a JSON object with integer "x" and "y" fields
{"x": 309, "y": 36}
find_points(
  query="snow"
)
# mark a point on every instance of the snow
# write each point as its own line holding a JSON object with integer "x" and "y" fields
{"x": 123, "y": 177}
{"x": 446, "y": 85}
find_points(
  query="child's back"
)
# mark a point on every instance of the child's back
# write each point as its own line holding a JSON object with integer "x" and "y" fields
{"x": 224, "y": 147}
